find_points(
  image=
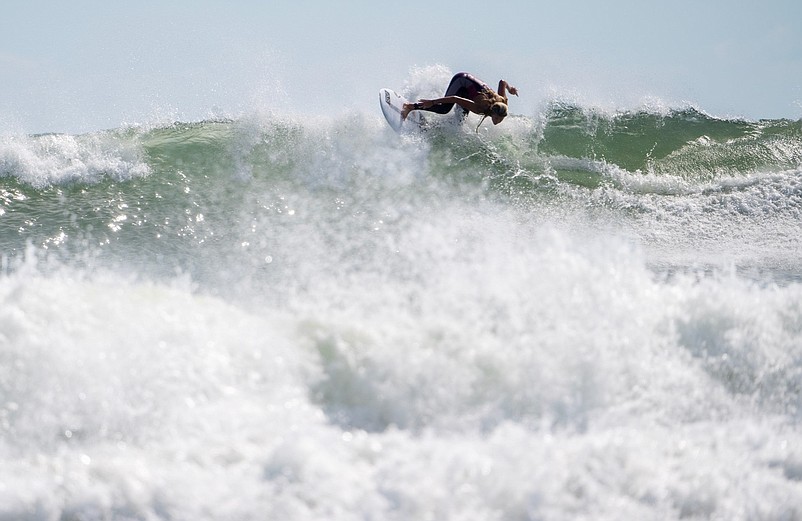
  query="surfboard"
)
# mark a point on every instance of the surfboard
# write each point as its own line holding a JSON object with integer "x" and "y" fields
{"x": 391, "y": 104}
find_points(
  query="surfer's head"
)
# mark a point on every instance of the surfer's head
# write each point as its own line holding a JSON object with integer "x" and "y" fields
{"x": 498, "y": 111}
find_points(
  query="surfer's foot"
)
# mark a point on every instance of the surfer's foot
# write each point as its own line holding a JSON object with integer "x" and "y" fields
{"x": 406, "y": 109}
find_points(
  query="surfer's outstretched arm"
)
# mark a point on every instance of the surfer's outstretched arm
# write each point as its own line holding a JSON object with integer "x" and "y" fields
{"x": 504, "y": 88}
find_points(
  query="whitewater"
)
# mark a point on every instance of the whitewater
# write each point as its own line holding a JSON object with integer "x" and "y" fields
{"x": 577, "y": 314}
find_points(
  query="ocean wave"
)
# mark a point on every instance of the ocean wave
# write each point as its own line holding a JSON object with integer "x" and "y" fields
{"x": 686, "y": 143}
{"x": 569, "y": 140}
{"x": 205, "y": 183}
{"x": 337, "y": 318}
{"x": 55, "y": 159}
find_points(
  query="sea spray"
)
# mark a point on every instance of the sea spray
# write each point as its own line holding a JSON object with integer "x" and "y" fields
{"x": 286, "y": 319}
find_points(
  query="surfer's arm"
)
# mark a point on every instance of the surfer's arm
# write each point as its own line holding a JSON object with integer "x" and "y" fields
{"x": 504, "y": 88}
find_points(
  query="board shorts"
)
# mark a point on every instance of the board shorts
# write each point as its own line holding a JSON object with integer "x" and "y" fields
{"x": 463, "y": 85}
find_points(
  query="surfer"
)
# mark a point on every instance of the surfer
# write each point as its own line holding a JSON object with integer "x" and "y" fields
{"x": 472, "y": 95}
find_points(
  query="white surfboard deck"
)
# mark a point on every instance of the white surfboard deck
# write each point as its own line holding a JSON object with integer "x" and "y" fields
{"x": 391, "y": 103}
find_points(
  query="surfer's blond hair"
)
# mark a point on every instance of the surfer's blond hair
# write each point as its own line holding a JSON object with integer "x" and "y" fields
{"x": 498, "y": 108}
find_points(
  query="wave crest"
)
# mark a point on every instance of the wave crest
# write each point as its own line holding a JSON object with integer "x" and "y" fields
{"x": 54, "y": 159}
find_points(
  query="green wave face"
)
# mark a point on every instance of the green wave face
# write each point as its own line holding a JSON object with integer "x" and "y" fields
{"x": 202, "y": 197}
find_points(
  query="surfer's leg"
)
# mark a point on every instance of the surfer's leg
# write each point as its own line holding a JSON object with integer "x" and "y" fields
{"x": 462, "y": 84}
{"x": 442, "y": 108}
{"x": 465, "y": 86}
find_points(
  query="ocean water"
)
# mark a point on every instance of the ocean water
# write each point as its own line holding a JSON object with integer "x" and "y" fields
{"x": 577, "y": 314}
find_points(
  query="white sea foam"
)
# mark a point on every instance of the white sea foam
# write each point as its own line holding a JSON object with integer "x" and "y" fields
{"x": 482, "y": 365}
{"x": 363, "y": 326}
{"x": 50, "y": 159}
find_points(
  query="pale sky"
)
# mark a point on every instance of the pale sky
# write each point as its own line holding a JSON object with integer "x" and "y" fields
{"x": 88, "y": 65}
